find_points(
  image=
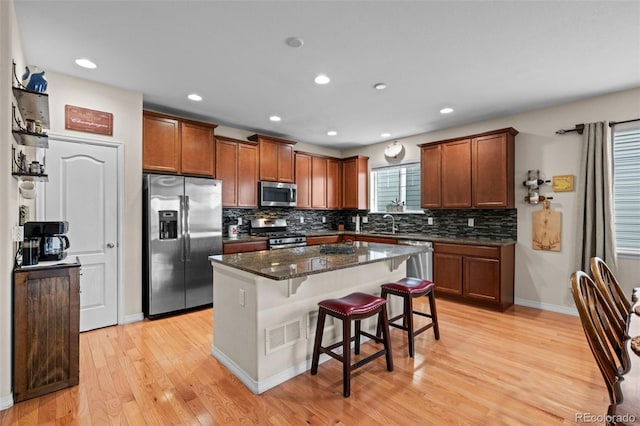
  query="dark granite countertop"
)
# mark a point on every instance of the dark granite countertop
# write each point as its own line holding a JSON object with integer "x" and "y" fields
{"x": 302, "y": 261}
{"x": 399, "y": 236}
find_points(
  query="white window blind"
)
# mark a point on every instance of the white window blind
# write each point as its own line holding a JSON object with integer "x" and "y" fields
{"x": 392, "y": 184}
{"x": 626, "y": 186}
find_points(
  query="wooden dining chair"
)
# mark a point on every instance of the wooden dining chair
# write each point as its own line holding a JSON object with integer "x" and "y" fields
{"x": 597, "y": 319}
{"x": 612, "y": 292}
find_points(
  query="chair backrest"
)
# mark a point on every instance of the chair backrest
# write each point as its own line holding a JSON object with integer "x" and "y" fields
{"x": 611, "y": 290}
{"x": 597, "y": 320}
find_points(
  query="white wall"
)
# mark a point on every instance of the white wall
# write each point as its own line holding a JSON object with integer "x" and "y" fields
{"x": 542, "y": 277}
{"x": 126, "y": 107}
{"x": 234, "y": 133}
{"x": 10, "y": 48}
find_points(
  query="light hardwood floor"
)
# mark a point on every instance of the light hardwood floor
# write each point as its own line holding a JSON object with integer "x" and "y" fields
{"x": 523, "y": 366}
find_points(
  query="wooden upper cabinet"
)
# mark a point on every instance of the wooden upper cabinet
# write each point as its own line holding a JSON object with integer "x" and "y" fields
{"x": 318, "y": 183}
{"x": 493, "y": 170}
{"x": 237, "y": 167}
{"x": 198, "y": 150}
{"x": 227, "y": 168}
{"x": 303, "y": 180}
{"x": 475, "y": 171}
{"x": 355, "y": 183}
{"x": 456, "y": 174}
{"x": 161, "y": 143}
{"x": 276, "y": 158}
{"x": 175, "y": 145}
{"x": 247, "y": 175}
{"x": 431, "y": 176}
{"x": 334, "y": 183}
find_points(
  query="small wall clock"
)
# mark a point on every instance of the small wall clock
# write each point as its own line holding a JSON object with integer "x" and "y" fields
{"x": 393, "y": 150}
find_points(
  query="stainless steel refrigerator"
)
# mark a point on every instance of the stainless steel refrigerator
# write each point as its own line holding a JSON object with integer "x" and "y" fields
{"x": 182, "y": 227}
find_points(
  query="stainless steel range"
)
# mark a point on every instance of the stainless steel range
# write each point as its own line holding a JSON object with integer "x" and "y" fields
{"x": 276, "y": 231}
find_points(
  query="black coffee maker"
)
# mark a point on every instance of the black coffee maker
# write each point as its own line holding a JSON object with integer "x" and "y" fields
{"x": 53, "y": 241}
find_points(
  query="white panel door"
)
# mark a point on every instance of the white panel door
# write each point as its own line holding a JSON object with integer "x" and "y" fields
{"x": 82, "y": 189}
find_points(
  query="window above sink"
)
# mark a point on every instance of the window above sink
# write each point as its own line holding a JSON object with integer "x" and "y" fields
{"x": 395, "y": 189}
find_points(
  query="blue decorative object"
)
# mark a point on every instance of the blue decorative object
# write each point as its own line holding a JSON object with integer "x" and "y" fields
{"x": 33, "y": 79}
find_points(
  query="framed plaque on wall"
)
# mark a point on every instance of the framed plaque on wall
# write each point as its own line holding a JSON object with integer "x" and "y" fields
{"x": 88, "y": 120}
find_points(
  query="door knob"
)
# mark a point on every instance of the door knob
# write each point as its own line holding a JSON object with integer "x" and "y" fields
{"x": 110, "y": 245}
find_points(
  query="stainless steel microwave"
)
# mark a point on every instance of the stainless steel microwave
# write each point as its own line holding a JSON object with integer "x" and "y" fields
{"x": 277, "y": 194}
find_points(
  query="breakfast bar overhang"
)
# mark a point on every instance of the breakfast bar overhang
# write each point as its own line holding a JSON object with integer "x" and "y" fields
{"x": 266, "y": 304}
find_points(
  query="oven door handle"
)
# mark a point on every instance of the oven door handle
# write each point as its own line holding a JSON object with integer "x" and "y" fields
{"x": 284, "y": 246}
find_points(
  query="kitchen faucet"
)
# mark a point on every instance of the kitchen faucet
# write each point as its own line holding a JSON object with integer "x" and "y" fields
{"x": 393, "y": 222}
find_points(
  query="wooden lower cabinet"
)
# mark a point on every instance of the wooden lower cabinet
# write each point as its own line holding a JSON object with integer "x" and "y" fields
{"x": 243, "y": 247}
{"x": 46, "y": 323}
{"x": 369, "y": 239}
{"x": 323, "y": 239}
{"x": 477, "y": 274}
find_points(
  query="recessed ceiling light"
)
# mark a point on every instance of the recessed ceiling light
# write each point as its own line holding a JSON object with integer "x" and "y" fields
{"x": 195, "y": 97}
{"x": 86, "y": 63}
{"x": 332, "y": 133}
{"x": 446, "y": 110}
{"x": 385, "y": 135}
{"x": 322, "y": 79}
{"x": 274, "y": 118}
{"x": 380, "y": 86}
{"x": 294, "y": 42}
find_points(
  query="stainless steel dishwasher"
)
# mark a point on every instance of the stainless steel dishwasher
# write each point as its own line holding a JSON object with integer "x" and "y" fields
{"x": 420, "y": 265}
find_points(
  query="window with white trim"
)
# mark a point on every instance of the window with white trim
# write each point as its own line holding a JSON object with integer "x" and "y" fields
{"x": 626, "y": 187}
{"x": 391, "y": 186}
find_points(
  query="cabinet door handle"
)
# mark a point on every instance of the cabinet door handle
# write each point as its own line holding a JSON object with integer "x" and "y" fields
{"x": 110, "y": 245}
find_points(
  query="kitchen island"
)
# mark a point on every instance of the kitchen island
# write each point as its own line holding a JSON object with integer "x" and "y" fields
{"x": 266, "y": 303}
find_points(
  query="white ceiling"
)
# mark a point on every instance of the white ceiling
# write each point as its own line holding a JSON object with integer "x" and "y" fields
{"x": 483, "y": 58}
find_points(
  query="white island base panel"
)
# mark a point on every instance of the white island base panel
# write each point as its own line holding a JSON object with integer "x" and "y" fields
{"x": 263, "y": 329}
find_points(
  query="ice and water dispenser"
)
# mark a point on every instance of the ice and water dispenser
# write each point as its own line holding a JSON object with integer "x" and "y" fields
{"x": 168, "y": 224}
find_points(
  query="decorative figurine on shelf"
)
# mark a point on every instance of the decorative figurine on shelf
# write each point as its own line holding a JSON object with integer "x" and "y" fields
{"x": 33, "y": 79}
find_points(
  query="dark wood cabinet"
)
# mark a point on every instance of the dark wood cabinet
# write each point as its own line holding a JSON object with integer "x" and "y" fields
{"x": 369, "y": 239}
{"x": 323, "y": 239}
{"x": 160, "y": 143}
{"x": 456, "y": 174}
{"x": 46, "y": 324}
{"x": 276, "y": 158}
{"x": 476, "y": 171}
{"x": 176, "y": 145}
{"x": 197, "y": 154}
{"x": 478, "y": 274}
{"x": 493, "y": 170}
{"x": 243, "y": 247}
{"x": 303, "y": 180}
{"x": 431, "y": 176}
{"x": 355, "y": 183}
{"x": 237, "y": 167}
{"x": 373, "y": 239}
{"x": 334, "y": 183}
{"x": 318, "y": 182}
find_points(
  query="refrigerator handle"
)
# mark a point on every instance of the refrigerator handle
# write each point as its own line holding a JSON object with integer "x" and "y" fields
{"x": 187, "y": 239}
{"x": 182, "y": 225}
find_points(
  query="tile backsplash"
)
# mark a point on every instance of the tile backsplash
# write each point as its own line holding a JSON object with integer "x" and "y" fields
{"x": 495, "y": 223}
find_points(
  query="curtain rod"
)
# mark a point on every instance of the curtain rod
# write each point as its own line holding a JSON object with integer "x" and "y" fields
{"x": 613, "y": 123}
{"x": 579, "y": 128}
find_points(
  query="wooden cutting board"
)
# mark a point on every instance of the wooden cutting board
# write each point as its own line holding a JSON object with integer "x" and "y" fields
{"x": 546, "y": 228}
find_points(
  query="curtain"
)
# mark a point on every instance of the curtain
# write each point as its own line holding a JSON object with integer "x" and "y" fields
{"x": 595, "y": 230}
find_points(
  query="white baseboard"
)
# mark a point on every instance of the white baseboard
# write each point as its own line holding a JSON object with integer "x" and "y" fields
{"x": 6, "y": 401}
{"x": 258, "y": 387}
{"x": 133, "y": 318}
{"x": 546, "y": 306}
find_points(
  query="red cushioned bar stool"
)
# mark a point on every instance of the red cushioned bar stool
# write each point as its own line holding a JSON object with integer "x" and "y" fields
{"x": 354, "y": 307}
{"x": 410, "y": 288}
